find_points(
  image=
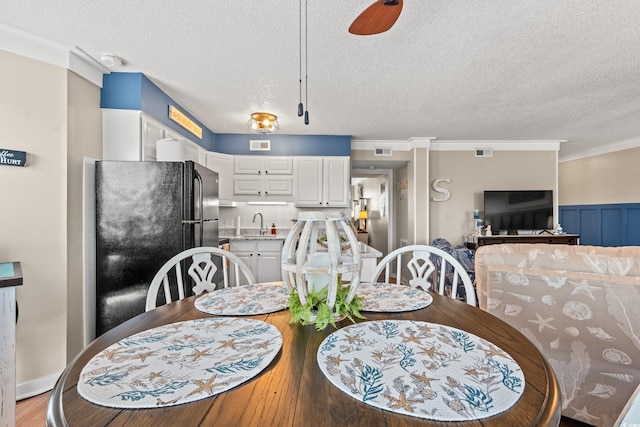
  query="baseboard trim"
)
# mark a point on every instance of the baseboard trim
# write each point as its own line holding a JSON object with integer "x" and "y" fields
{"x": 35, "y": 387}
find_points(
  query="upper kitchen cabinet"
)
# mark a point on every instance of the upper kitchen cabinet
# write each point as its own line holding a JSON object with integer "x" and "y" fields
{"x": 173, "y": 148}
{"x": 133, "y": 135}
{"x": 129, "y": 135}
{"x": 322, "y": 181}
{"x": 263, "y": 177}
{"x": 223, "y": 164}
{"x": 258, "y": 165}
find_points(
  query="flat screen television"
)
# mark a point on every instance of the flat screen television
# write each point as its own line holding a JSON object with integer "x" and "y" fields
{"x": 511, "y": 211}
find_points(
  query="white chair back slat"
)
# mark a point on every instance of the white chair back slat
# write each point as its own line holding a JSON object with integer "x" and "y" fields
{"x": 420, "y": 264}
{"x": 201, "y": 269}
{"x": 180, "y": 282}
{"x": 167, "y": 288}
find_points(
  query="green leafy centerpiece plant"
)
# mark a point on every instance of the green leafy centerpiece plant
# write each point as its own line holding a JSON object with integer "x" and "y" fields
{"x": 316, "y": 310}
{"x": 313, "y": 272}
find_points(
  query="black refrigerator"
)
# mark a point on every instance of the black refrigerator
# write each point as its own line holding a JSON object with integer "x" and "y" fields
{"x": 146, "y": 212}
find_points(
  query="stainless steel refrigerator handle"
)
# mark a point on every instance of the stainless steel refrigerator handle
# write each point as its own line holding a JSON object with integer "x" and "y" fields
{"x": 197, "y": 177}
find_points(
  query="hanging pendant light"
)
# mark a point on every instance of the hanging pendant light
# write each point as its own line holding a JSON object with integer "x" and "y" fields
{"x": 301, "y": 110}
{"x": 300, "y": 106}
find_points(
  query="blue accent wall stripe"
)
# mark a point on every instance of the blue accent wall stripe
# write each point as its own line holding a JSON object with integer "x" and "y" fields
{"x": 134, "y": 91}
{"x": 286, "y": 145}
{"x": 603, "y": 225}
{"x": 121, "y": 91}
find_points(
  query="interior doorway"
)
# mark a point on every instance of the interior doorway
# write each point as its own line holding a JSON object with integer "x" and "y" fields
{"x": 373, "y": 192}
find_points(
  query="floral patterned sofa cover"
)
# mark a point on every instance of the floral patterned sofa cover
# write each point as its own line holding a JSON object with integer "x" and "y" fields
{"x": 580, "y": 305}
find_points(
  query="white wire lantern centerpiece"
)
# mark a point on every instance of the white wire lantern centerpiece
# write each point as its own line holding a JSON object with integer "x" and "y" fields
{"x": 320, "y": 250}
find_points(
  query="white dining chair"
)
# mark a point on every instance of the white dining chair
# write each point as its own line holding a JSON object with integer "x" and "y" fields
{"x": 426, "y": 265}
{"x": 200, "y": 267}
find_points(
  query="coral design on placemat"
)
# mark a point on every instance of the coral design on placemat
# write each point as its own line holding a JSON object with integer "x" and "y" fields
{"x": 421, "y": 369}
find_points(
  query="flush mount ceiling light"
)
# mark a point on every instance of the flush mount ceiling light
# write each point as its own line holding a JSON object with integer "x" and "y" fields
{"x": 264, "y": 123}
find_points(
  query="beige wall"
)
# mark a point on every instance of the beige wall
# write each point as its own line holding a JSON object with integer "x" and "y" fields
{"x": 607, "y": 178}
{"x": 84, "y": 140}
{"x": 39, "y": 212}
{"x": 470, "y": 176}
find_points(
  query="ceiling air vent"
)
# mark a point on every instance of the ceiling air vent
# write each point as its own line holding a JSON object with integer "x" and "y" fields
{"x": 382, "y": 152}
{"x": 483, "y": 152}
{"x": 259, "y": 145}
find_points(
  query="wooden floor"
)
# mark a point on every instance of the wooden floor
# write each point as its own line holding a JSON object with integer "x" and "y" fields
{"x": 33, "y": 413}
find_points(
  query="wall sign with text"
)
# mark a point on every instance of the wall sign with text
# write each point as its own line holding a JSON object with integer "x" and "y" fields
{"x": 12, "y": 157}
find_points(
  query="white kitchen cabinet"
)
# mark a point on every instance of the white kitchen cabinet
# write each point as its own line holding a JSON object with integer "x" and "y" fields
{"x": 130, "y": 135}
{"x": 175, "y": 148}
{"x": 223, "y": 164}
{"x": 322, "y": 181}
{"x": 262, "y": 256}
{"x": 263, "y": 177}
{"x": 260, "y": 165}
{"x": 263, "y": 186}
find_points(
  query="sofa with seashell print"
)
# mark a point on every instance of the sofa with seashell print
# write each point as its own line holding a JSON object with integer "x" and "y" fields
{"x": 580, "y": 305}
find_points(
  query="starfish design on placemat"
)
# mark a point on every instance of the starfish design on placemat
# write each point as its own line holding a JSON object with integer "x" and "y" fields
{"x": 423, "y": 378}
{"x": 410, "y": 337}
{"x": 494, "y": 351}
{"x": 154, "y": 375}
{"x": 401, "y": 402}
{"x": 161, "y": 402}
{"x": 143, "y": 356}
{"x": 428, "y": 351}
{"x": 263, "y": 344}
{"x": 207, "y": 386}
{"x": 335, "y": 360}
{"x": 352, "y": 338}
{"x": 473, "y": 372}
{"x": 110, "y": 353}
{"x": 378, "y": 354}
{"x": 228, "y": 343}
{"x": 197, "y": 354}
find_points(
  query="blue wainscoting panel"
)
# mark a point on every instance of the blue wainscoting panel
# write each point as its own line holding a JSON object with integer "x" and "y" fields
{"x": 612, "y": 227}
{"x": 603, "y": 225}
{"x": 633, "y": 225}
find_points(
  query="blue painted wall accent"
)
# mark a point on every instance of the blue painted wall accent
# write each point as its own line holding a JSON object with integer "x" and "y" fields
{"x": 134, "y": 91}
{"x": 286, "y": 145}
{"x": 603, "y": 225}
{"x": 121, "y": 91}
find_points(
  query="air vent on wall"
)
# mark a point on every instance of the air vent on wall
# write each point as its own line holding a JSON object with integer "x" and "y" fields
{"x": 483, "y": 152}
{"x": 382, "y": 152}
{"x": 259, "y": 145}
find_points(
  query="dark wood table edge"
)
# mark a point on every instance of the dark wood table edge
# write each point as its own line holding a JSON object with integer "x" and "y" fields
{"x": 549, "y": 416}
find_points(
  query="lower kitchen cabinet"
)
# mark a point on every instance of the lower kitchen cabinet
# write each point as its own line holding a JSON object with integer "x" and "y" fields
{"x": 262, "y": 256}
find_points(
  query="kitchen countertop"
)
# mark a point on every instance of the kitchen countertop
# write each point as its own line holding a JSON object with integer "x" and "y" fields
{"x": 366, "y": 251}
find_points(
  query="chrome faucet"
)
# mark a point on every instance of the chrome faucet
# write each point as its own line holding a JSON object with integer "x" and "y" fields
{"x": 261, "y": 222}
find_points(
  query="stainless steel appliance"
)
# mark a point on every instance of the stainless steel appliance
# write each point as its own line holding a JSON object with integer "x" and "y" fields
{"x": 146, "y": 212}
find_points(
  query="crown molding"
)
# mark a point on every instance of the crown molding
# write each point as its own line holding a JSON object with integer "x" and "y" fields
{"x": 496, "y": 145}
{"x": 44, "y": 50}
{"x": 396, "y": 145}
{"x": 605, "y": 149}
{"x": 458, "y": 145}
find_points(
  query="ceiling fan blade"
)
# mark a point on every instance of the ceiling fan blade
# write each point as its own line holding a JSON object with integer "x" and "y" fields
{"x": 377, "y": 18}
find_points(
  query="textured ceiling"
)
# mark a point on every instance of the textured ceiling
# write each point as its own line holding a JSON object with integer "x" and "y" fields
{"x": 454, "y": 70}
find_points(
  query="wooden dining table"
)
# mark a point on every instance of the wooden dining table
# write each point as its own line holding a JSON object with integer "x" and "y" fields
{"x": 293, "y": 391}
